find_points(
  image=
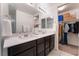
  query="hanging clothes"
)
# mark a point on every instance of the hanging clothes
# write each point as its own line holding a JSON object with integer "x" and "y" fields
{"x": 76, "y": 27}
{"x": 64, "y": 39}
{"x": 66, "y": 29}
{"x": 72, "y": 27}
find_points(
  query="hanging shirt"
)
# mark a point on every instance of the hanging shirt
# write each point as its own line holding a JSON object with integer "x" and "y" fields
{"x": 66, "y": 28}
{"x": 72, "y": 27}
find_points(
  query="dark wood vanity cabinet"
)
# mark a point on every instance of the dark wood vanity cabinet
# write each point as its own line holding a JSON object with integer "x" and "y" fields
{"x": 51, "y": 43}
{"x": 39, "y": 47}
{"x": 47, "y": 42}
{"x": 29, "y": 52}
{"x": 41, "y": 53}
{"x": 20, "y": 49}
{"x": 47, "y": 51}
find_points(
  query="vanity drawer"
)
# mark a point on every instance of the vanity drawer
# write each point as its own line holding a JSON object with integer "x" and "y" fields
{"x": 21, "y": 47}
{"x": 49, "y": 37}
{"x": 30, "y": 52}
{"x": 52, "y": 36}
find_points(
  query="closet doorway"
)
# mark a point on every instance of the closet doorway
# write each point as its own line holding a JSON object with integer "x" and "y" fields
{"x": 68, "y": 18}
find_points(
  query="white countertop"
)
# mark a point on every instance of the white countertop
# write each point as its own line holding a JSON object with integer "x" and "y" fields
{"x": 12, "y": 41}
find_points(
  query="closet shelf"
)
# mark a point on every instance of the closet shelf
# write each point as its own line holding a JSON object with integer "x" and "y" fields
{"x": 71, "y": 21}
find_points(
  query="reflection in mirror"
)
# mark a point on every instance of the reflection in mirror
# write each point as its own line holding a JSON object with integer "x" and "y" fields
{"x": 12, "y": 13}
{"x": 47, "y": 23}
{"x": 43, "y": 23}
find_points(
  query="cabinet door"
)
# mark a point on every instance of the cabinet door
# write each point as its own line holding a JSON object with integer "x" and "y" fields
{"x": 51, "y": 43}
{"x": 30, "y": 52}
{"x": 21, "y": 47}
{"x": 46, "y": 51}
{"x": 41, "y": 53}
{"x": 47, "y": 42}
{"x": 40, "y": 48}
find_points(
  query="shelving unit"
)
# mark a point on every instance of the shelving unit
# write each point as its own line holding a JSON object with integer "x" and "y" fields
{"x": 71, "y": 21}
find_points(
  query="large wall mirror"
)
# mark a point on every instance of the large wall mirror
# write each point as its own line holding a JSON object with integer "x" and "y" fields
{"x": 22, "y": 16}
{"x": 12, "y": 14}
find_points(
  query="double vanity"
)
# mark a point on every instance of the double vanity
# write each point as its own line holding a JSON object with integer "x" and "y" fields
{"x": 32, "y": 45}
{"x": 17, "y": 27}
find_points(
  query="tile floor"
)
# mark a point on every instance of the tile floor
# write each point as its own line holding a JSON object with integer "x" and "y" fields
{"x": 69, "y": 49}
{"x": 59, "y": 53}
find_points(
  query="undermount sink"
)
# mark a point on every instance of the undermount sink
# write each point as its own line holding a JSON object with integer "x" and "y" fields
{"x": 31, "y": 35}
{"x": 38, "y": 33}
{"x": 26, "y": 35}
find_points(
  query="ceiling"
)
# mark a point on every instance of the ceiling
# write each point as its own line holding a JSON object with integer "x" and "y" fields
{"x": 56, "y": 4}
{"x": 23, "y": 7}
{"x": 69, "y": 6}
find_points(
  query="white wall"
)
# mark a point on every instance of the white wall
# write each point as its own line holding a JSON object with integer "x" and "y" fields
{"x": 54, "y": 13}
{"x": 0, "y": 31}
{"x": 73, "y": 39}
{"x": 23, "y": 18}
{"x": 75, "y": 12}
{"x": 0, "y": 38}
{"x": 0, "y": 9}
{"x": 3, "y": 11}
